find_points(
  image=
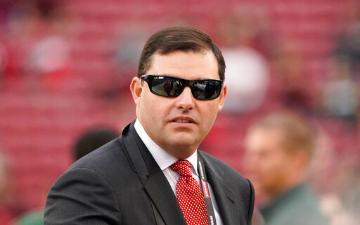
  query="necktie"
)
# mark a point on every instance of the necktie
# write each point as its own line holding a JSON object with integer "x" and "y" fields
{"x": 189, "y": 195}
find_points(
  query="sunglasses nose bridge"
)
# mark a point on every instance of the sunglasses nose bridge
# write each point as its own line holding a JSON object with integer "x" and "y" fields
{"x": 187, "y": 90}
{"x": 186, "y": 98}
{"x": 189, "y": 84}
{"x": 186, "y": 84}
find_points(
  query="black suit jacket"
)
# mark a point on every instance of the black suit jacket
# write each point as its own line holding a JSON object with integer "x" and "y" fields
{"x": 120, "y": 183}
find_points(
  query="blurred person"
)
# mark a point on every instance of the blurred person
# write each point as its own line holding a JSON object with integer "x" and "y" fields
{"x": 91, "y": 140}
{"x": 247, "y": 71}
{"x": 154, "y": 173}
{"x": 248, "y": 79}
{"x": 84, "y": 144}
{"x": 48, "y": 59}
{"x": 279, "y": 148}
{"x": 33, "y": 42}
{"x": 347, "y": 45}
{"x": 341, "y": 93}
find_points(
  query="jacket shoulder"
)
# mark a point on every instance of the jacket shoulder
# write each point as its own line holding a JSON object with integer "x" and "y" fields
{"x": 239, "y": 185}
{"x": 221, "y": 167}
{"x": 108, "y": 155}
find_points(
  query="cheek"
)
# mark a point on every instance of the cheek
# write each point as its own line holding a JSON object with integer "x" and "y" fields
{"x": 252, "y": 162}
{"x": 273, "y": 165}
{"x": 152, "y": 105}
{"x": 276, "y": 170}
{"x": 267, "y": 167}
{"x": 150, "y": 112}
{"x": 208, "y": 116}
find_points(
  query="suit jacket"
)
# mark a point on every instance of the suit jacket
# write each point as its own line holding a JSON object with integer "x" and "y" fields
{"x": 121, "y": 183}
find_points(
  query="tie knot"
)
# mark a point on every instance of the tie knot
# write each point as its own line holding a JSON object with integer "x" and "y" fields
{"x": 182, "y": 167}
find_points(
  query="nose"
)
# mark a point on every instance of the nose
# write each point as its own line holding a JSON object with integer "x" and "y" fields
{"x": 185, "y": 101}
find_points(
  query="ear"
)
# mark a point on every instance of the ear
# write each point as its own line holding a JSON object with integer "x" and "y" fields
{"x": 136, "y": 89}
{"x": 222, "y": 97}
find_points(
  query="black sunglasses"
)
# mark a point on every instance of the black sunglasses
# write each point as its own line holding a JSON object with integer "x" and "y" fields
{"x": 168, "y": 86}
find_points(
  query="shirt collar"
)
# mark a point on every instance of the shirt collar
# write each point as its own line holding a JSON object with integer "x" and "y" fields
{"x": 162, "y": 157}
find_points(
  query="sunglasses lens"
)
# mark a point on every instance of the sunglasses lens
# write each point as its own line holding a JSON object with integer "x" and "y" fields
{"x": 172, "y": 87}
{"x": 167, "y": 87}
{"x": 206, "y": 89}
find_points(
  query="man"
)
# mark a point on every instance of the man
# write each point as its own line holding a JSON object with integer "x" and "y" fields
{"x": 151, "y": 174}
{"x": 279, "y": 148}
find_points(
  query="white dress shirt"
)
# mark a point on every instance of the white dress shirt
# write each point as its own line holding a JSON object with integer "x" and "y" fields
{"x": 165, "y": 160}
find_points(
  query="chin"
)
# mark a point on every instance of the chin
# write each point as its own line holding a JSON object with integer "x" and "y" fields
{"x": 184, "y": 137}
{"x": 184, "y": 148}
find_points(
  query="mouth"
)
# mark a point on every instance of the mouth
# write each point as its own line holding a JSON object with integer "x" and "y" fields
{"x": 183, "y": 120}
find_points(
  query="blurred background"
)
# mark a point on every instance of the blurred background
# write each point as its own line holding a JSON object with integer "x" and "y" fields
{"x": 65, "y": 67}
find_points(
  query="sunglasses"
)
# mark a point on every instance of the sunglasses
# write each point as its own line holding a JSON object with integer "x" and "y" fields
{"x": 167, "y": 86}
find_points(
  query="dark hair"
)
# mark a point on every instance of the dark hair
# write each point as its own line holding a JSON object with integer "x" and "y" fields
{"x": 91, "y": 140}
{"x": 179, "y": 39}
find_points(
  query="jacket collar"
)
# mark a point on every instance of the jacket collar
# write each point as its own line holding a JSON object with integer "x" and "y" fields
{"x": 153, "y": 179}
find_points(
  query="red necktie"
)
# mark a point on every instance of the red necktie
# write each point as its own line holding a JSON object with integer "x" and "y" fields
{"x": 189, "y": 195}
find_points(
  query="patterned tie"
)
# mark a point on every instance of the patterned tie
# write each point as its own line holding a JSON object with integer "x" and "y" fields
{"x": 189, "y": 195}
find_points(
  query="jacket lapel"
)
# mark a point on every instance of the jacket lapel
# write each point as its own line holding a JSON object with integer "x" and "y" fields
{"x": 155, "y": 183}
{"x": 224, "y": 196}
{"x": 164, "y": 199}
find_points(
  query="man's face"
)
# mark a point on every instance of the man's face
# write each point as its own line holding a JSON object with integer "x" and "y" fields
{"x": 178, "y": 124}
{"x": 268, "y": 164}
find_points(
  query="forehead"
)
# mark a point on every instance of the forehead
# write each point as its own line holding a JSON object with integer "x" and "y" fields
{"x": 264, "y": 139}
{"x": 185, "y": 64}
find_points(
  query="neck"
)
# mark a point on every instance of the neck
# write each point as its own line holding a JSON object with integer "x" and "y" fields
{"x": 180, "y": 152}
